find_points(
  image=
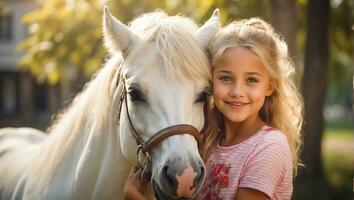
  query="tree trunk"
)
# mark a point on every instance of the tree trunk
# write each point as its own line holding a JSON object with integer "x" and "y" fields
{"x": 314, "y": 87}
{"x": 285, "y": 22}
{"x": 315, "y": 83}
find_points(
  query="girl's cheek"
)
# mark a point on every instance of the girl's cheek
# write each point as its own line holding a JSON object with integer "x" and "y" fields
{"x": 257, "y": 91}
{"x": 218, "y": 90}
{"x": 215, "y": 88}
{"x": 258, "y": 96}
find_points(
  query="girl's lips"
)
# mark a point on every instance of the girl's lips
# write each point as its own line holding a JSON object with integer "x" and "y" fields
{"x": 237, "y": 104}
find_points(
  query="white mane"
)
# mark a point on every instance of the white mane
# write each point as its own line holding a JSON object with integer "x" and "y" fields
{"x": 82, "y": 155}
{"x": 90, "y": 110}
{"x": 94, "y": 108}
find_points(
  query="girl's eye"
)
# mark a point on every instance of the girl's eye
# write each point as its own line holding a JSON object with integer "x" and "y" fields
{"x": 225, "y": 78}
{"x": 135, "y": 95}
{"x": 252, "y": 80}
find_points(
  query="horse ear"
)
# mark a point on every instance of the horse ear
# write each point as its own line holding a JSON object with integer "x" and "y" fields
{"x": 117, "y": 36}
{"x": 206, "y": 32}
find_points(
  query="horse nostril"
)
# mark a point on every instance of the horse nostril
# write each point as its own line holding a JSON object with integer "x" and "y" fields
{"x": 169, "y": 178}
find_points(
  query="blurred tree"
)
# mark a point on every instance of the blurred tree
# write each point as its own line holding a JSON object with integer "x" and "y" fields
{"x": 65, "y": 37}
{"x": 314, "y": 92}
{"x": 285, "y": 21}
{"x": 341, "y": 52}
{"x": 237, "y": 9}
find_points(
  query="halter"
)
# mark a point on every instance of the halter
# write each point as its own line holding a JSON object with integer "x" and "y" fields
{"x": 146, "y": 147}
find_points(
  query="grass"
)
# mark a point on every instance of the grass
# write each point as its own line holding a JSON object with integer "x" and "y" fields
{"x": 338, "y": 158}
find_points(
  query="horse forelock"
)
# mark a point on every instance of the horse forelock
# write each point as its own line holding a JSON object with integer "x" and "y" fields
{"x": 175, "y": 40}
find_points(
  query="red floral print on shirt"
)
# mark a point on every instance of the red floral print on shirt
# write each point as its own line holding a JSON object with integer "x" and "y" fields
{"x": 218, "y": 178}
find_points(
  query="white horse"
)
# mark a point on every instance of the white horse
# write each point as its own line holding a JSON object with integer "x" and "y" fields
{"x": 162, "y": 63}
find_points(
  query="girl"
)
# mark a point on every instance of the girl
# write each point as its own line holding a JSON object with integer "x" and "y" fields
{"x": 252, "y": 141}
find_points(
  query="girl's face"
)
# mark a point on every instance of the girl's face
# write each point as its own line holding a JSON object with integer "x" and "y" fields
{"x": 240, "y": 84}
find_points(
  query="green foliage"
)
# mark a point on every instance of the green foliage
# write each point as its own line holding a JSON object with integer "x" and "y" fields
{"x": 64, "y": 33}
{"x": 246, "y": 9}
{"x": 341, "y": 69}
{"x": 341, "y": 43}
{"x": 338, "y": 162}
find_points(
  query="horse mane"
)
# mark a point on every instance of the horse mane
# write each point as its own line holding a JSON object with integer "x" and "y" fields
{"x": 87, "y": 112}
{"x": 91, "y": 110}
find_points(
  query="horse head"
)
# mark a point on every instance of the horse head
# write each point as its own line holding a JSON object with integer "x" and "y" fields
{"x": 164, "y": 78}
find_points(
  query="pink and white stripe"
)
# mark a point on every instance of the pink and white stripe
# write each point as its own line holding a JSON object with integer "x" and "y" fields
{"x": 262, "y": 162}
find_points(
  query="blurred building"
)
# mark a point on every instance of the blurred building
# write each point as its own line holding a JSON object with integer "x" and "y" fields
{"x": 23, "y": 102}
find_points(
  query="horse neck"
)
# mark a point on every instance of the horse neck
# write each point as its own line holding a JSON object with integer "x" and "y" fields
{"x": 83, "y": 150}
{"x": 100, "y": 164}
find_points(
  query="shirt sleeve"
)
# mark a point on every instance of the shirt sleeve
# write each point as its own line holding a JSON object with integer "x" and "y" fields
{"x": 266, "y": 167}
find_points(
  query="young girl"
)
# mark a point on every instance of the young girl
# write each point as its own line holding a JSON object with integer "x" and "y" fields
{"x": 253, "y": 137}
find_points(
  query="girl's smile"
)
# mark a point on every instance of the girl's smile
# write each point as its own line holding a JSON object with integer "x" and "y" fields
{"x": 236, "y": 104}
{"x": 240, "y": 85}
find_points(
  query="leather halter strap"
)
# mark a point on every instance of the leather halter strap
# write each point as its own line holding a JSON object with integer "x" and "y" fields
{"x": 145, "y": 147}
{"x": 162, "y": 134}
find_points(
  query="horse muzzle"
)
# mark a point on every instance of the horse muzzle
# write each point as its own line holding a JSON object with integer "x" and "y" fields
{"x": 178, "y": 179}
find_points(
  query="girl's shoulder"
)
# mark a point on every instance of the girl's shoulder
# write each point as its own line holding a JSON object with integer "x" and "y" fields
{"x": 265, "y": 137}
{"x": 271, "y": 147}
{"x": 272, "y": 136}
{"x": 271, "y": 139}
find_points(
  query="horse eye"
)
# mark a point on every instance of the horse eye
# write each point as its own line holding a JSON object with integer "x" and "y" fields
{"x": 203, "y": 96}
{"x": 135, "y": 95}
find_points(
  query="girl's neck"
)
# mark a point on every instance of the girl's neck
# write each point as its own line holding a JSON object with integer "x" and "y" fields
{"x": 236, "y": 132}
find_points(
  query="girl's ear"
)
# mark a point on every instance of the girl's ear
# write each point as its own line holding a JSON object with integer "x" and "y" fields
{"x": 271, "y": 88}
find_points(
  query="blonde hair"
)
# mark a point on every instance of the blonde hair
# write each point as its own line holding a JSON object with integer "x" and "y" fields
{"x": 283, "y": 109}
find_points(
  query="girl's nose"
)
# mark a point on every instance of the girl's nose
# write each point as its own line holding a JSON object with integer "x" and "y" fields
{"x": 237, "y": 91}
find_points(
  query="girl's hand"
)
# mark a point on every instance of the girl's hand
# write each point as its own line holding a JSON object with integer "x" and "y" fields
{"x": 133, "y": 188}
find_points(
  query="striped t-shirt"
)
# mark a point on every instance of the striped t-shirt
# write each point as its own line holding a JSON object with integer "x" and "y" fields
{"x": 262, "y": 162}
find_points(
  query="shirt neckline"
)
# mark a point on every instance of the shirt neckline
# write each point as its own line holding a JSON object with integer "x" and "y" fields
{"x": 236, "y": 145}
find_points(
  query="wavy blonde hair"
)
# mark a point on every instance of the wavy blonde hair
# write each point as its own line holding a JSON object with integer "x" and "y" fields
{"x": 282, "y": 110}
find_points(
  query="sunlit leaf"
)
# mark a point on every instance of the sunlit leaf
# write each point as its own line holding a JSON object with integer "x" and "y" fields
{"x": 53, "y": 77}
